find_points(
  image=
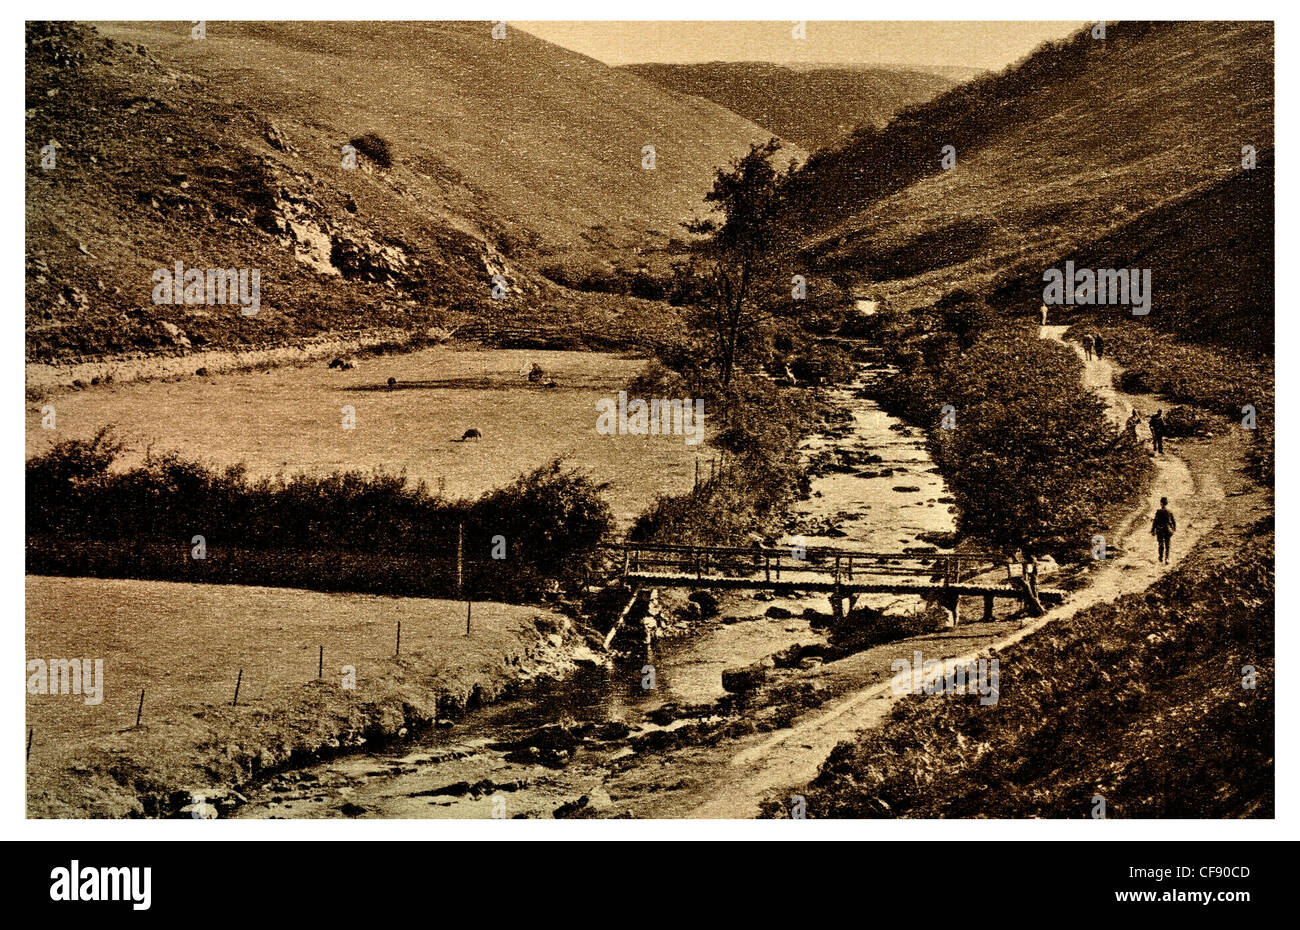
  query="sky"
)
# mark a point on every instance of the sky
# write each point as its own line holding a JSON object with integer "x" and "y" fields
{"x": 984, "y": 44}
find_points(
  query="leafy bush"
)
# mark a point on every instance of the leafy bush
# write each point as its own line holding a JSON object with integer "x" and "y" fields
{"x": 553, "y": 520}
{"x": 658, "y": 380}
{"x": 1032, "y": 461}
{"x": 759, "y": 475}
{"x": 1183, "y": 421}
{"x": 344, "y": 531}
{"x": 819, "y": 363}
{"x": 375, "y": 147}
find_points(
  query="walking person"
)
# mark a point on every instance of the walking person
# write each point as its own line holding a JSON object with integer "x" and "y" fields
{"x": 1131, "y": 425}
{"x": 1158, "y": 432}
{"x": 1044, "y": 311}
{"x": 1098, "y": 344}
{"x": 1087, "y": 345}
{"x": 1162, "y": 528}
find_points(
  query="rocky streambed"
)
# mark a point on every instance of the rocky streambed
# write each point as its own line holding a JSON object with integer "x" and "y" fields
{"x": 655, "y": 734}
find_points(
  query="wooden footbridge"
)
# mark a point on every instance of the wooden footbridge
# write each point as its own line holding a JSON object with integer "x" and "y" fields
{"x": 844, "y": 574}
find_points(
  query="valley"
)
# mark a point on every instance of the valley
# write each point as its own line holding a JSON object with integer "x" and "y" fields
{"x": 476, "y": 252}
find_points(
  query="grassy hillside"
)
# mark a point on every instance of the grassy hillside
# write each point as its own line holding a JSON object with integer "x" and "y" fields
{"x": 1153, "y": 715}
{"x": 90, "y": 761}
{"x": 1211, "y": 255}
{"x": 1075, "y": 141}
{"x": 552, "y": 139}
{"x": 477, "y": 157}
{"x": 810, "y": 106}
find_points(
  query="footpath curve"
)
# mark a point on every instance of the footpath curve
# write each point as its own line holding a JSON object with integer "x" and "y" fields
{"x": 792, "y": 757}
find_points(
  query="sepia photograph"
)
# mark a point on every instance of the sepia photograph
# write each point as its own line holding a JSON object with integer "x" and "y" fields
{"x": 648, "y": 420}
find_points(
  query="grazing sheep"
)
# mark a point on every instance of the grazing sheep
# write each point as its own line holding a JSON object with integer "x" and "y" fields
{"x": 471, "y": 433}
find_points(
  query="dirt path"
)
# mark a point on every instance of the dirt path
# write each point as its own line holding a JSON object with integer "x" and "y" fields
{"x": 45, "y": 379}
{"x": 793, "y": 756}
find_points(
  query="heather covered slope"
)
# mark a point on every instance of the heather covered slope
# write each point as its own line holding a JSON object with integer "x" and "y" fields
{"x": 810, "y": 106}
{"x": 1161, "y": 704}
{"x": 1082, "y": 137}
{"x": 1212, "y": 259}
{"x": 478, "y": 157}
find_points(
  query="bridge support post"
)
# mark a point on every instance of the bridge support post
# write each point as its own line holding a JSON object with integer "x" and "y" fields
{"x": 988, "y": 608}
{"x": 952, "y": 601}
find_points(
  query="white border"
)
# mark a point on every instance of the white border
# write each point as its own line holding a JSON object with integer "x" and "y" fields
{"x": 12, "y": 715}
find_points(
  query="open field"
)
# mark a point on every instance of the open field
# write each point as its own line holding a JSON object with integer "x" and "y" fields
{"x": 181, "y": 643}
{"x": 290, "y": 420}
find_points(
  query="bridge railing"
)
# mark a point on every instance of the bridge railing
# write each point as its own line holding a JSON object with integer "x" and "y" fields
{"x": 782, "y": 564}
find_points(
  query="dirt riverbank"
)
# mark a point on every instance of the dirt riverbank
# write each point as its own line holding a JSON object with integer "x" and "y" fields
{"x": 91, "y": 760}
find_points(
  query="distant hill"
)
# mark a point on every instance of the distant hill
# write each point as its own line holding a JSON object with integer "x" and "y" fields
{"x": 1083, "y": 137}
{"x": 476, "y": 157}
{"x": 811, "y": 106}
{"x": 955, "y": 73}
